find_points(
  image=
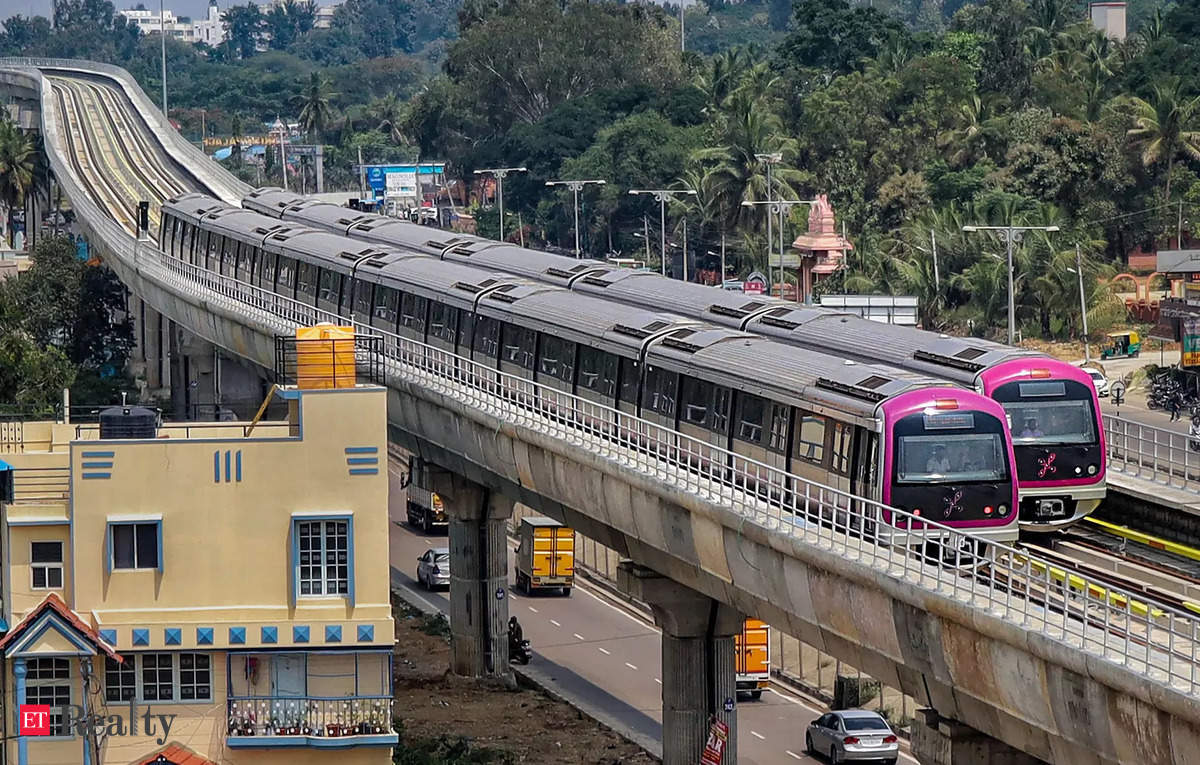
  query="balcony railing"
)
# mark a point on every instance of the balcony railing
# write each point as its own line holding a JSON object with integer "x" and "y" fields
{"x": 294, "y": 720}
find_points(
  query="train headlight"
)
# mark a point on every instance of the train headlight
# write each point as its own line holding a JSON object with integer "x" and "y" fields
{"x": 987, "y": 510}
{"x": 1091, "y": 470}
{"x": 916, "y": 511}
{"x": 1003, "y": 510}
{"x": 1078, "y": 470}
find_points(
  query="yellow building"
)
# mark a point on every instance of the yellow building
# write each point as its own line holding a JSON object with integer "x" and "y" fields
{"x": 226, "y": 586}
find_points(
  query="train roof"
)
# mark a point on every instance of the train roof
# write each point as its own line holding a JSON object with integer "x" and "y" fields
{"x": 719, "y": 306}
{"x": 532, "y": 264}
{"x": 270, "y": 200}
{"x": 607, "y": 326}
{"x": 242, "y": 225}
{"x": 315, "y": 213}
{"x": 959, "y": 359}
{"x": 193, "y": 206}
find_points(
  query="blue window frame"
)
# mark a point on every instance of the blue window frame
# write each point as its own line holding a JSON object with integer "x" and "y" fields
{"x": 323, "y": 556}
{"x": 135, "y": 545}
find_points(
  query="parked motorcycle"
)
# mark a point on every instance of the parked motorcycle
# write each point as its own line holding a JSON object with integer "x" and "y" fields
{"x": 520, "y": 652}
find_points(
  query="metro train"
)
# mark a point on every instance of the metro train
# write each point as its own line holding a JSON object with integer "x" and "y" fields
{"x": 1052, "y": 406}
{"x": 903, "y": 439}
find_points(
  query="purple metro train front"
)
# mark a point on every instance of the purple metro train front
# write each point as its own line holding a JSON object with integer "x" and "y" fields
{"x": 948, "y": 457}
{"x": 1057, "y": 436}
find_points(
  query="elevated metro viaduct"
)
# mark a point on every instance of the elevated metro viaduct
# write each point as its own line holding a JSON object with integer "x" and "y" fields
{"x": 1010, "y": 674}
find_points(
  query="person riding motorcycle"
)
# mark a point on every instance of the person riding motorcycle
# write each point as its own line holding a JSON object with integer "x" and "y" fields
{"x": 515, "y": 633}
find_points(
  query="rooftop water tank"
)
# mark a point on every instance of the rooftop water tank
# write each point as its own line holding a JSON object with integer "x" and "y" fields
{"x": 128, "y": 422}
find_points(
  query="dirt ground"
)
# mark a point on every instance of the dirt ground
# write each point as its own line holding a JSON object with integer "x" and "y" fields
{"x": 446, "y": 713}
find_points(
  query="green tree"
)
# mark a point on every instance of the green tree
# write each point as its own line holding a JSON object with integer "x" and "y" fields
{"x": 18, "y": 162}
{"x": 830, "y": 34}
{"x": 315, "y": 111}
{"x": 1166, "y": 125}
{"x": 244, "y": 26}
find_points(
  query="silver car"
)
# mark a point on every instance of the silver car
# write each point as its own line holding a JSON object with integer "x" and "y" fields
{"x": 433, "y": 568}
{"x": 852, "y": 735}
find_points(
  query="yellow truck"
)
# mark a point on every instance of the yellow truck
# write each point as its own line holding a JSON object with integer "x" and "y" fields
{"x": 545, "y": 556}
{"x": 753, "y": 647}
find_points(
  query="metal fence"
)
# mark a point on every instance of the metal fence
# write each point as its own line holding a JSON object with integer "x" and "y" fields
{"x": 1151, "y": 453}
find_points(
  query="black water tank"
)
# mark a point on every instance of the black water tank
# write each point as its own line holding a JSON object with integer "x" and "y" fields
{"x": 128, "y": 422}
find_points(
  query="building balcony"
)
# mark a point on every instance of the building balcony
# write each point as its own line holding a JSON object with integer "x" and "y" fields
{"x": 310, "y": 721}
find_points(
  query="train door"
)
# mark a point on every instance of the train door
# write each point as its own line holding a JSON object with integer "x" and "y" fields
{"x": 759, "y": 435}
{"x": 660, "y": 400}
{"x": 555, "y": 372}
{"x": 596, "y": 381}
{"x": 704, "y": 410}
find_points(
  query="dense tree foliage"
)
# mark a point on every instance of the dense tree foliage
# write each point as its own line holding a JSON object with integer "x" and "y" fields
{"x": 915, "y": 117}
{"x": 62, "y": 325}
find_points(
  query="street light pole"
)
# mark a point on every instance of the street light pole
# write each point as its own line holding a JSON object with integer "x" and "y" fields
{"x": 779, "y": 207}
{"x": 1010, "y": 234}
{"x": 498, "y": 173}
{"x": 662, "y": 195}
{"x": 576, "y": 187}
{"x": 1087, "y": 346}
{"x": 162, "y": 28}
{"x": 770, "y": 159}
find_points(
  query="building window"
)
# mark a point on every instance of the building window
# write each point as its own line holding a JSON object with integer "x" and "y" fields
{"x": 164, "y": 677}
{"x": 120, "y": 679}
{"x": 195, "y": 677}
{"x": 323, "y": 565}
{"x": 158, "y": 676}
{"x": 47, "y": 560}
{"x": 49, "y": 682}
{"x": 135, "y": 545}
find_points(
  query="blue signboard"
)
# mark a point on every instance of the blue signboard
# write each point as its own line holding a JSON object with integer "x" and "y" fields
{"x": 377, "y": 174}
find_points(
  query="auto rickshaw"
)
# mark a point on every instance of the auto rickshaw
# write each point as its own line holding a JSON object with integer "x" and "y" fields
{"x": 1122, "y": 344}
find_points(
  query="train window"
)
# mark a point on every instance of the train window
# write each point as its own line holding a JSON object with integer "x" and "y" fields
{"x": 598, "y": 371}
{"x": 306, "y": 281}
{"x": 266, "y": 270}
{"x": 556, "y": 358}
{"x": 695, "y": 402}
{"x": 750, "y": 418}
{"x": 228, "y": 255}
{"x": 443, "y": 322}
{"x": 387, "y": 305}
{"x": 245, "y": 267}
{"x": 520, "y": 345}
{"x": 189, "y": 234}
{"x": 720, "y": 409}
{"x": 362, "y": 297}
{"x": 841, "y": 448}
{"x": 779, "y": 427}
{"x": 286, "y": 281}
{"x": 630, "y": 381}
{"x": 661, "y": 388}
{"x": 412, "y": 313}
{"x": 487, "y": 336}
{"x": 214, "y": 252}
{"x": 810, "y": 438}
{"x": 329, "y": 286}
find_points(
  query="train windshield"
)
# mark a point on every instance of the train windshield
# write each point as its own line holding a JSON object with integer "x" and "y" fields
{"x": 938, "y": 458}
{"x": 1049, "y": 412}
{"x": 1051, "y": 422}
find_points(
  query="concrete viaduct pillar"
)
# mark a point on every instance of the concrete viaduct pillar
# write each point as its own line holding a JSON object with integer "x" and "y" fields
{"x": 938, "y": 740}
{"x": 478, "y": 575}
{"x": 698, "y": 662}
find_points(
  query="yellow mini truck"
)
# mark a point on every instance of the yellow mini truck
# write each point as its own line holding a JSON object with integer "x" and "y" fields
{"x": 753, "y": 658}
{"x": 545, "y": 556}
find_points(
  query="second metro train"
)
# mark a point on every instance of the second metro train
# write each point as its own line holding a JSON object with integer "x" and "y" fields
{"x": 903, "y": 439}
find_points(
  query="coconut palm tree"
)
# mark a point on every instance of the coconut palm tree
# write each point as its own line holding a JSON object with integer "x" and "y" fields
{"x": 235, "y": 132}
{"x": 18, "y": 162}
{"x": 315, "y": 111}
{"x": 388, "y": 114}
{"x": 1167, "y": 125}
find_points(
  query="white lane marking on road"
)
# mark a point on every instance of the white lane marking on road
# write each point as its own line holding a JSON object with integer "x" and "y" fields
{"x": 604, "y": 651}
{"x": 792, "y": 699}
{"x": 658, "y": 681}
{"x": 631, "y": 666}
{"x": 579, "y": 637}
{"x": 531, "y": 608}
{"x": 790, "y": 753}
{"x": 621, "y": 611}
{"x": 556, "y": 624}
{"x": 758, "y": 735}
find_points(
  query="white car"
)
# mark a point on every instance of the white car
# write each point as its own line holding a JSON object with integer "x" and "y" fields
{"x": 852, "y": 735}
{"x": 1099, "y": 380}
{"x": 433, "y": 568}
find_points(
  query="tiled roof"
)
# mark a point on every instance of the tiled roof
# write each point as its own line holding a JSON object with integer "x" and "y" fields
{"x": 56, "y": 604}
{"x": 175, "y": 754}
